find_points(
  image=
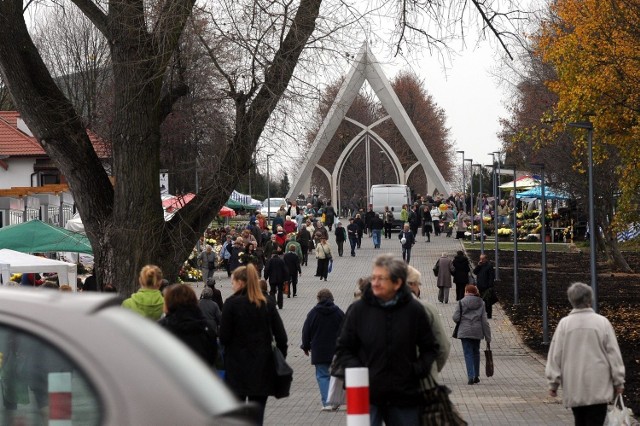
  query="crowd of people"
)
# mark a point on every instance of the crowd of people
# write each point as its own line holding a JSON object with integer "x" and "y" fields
{"x": 388, "y": 329}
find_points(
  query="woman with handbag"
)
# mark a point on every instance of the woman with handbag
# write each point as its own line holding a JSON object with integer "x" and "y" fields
{"x": 250, "y": 322}
{"x": 472, "y": 326}
{"x": 323, "y": 254}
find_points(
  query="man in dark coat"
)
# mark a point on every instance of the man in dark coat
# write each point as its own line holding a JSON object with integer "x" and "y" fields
{"x": 407, "y": 239}
{"x": 414, "y": 219}
{"x": 485, "y": 277}
{"x": 216, "y": 295}
{"x": 382, "y": 331}
{"x": 276, "y": 273}
{"x": 341, "y": 237}
{"x": 329, "y": 215}
{"x": 352, "y": 233}
{"x": 319, "y": 335}
{"x": 370, "y": 214}
{"x": 376, "y": 224}
{"x": 304, "y": 238}
{"x": 461, "y": 273}
{"x": 292, "y": 261}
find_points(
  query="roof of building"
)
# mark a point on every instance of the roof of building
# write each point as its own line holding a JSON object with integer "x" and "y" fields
{"x": 15, "y": 143}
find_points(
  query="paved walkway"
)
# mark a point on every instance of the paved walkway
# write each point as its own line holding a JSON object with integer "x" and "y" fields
{"x": 515, "y": 395}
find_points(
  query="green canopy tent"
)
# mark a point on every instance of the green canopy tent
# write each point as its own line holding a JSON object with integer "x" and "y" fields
{"x": 36, "y": 236}
{"x": 231, "y": 203}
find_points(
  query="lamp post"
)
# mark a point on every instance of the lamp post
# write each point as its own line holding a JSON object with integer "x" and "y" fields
{"x": 268, "y": 193}
{"x": 543, "y": 234}
{"x": 464, "y": 184}
{"x": 473, "y": 237}
{"x": 515, "y": 241}
{"x": 382, "y": 164}
{"x": 592, "y": 221}
{"x": 481, "y": 212}
{"x": 495, "y": 212}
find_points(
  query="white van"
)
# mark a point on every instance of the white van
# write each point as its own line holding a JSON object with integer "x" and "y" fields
{"x": 393, "y": 196}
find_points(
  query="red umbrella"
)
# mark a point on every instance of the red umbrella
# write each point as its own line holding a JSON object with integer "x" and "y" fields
{"x": 227, "y": 212}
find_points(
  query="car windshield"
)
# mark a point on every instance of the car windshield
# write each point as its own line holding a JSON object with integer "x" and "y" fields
{"x": 186, "y": 368}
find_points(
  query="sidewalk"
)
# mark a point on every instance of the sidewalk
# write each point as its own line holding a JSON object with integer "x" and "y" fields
{"x": 515, "y": 395}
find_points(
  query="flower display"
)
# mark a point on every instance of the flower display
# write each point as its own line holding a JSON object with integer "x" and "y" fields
{"x": 505, "y": 232}
{"x": 188, "y": 273}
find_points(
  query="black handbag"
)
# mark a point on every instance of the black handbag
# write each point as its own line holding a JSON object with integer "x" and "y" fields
{"x": 437, "y": 409}
{"x": 284, "y": 373}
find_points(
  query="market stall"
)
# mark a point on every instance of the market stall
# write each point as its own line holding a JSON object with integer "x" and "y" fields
{"x": 12, "y": 262}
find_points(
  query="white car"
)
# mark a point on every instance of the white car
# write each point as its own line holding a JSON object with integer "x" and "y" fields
{"x": 270, "y": 206}
{"x": 81, "y": 359}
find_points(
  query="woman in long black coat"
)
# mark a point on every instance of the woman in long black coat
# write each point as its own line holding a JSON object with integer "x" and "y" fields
{"x": 461, "y": 274}
{"x": 185, "y": 320}
{"x": 249, "y": 319}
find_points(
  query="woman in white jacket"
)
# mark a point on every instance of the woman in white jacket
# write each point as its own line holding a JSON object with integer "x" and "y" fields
{"x": 585, "y": 359}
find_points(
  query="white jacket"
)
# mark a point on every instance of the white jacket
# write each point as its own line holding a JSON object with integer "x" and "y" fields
{"x": 585, "y": 359}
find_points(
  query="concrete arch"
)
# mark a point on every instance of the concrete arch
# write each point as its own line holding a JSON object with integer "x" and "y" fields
{"x": 366, "y": 67}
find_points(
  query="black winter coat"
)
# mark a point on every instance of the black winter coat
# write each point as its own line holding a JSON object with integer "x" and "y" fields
{"x": 292, "y": 262}
{"x": 341, "y": 234}
{"x": 384, "y": 339}
{"x": 276, "y": 270}
{"x": 461, "y": 275}
{"x": 190, "y": 326}
{"x": 485, "y": 276}
{"x": 304, "y": 237}
{"x": 409, "y": 237}
{"x": 320, "y": 331}
{"x": 246, "y": 332}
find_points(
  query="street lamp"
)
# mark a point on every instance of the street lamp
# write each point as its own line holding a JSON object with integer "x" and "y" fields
{"x": 382, "y": 164}
{"x": 515, "y": 240}
{"x": 464, "y": 184}
{"x": 495, "y": 212}
{"x": 592, "y": 221}
{"x": 473, "y": 238}
{"x": 268, "y": 193}
{"x": 481, "y": 211}
{"x": 543, "y": 238}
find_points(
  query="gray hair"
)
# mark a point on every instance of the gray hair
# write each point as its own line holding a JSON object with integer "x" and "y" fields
{"x": 580, "y": 295}
{"x": 324, "y": 295}
{"x": 397, "y": 268}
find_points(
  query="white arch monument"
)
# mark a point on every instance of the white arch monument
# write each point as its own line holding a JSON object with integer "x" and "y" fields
{"x": 366, "y": 67}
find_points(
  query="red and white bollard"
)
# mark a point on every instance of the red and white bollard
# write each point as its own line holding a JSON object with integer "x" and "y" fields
{"x": 59, "y": 399}
{"x": 357, "y": 383}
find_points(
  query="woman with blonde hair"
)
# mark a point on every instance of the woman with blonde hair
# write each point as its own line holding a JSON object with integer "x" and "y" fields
{"x": 147, "y": 301}
{"x": 250, "y": 321}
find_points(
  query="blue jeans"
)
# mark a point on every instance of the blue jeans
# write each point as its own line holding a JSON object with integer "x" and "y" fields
{"x": 323, "y": 377}
{"x": 353, "y": 242}
{"x": 377, "y": 233}
{"x": 471, "y": 350}
{"x": 394, "y": 416}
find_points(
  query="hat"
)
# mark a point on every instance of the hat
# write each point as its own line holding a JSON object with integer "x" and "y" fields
{"x": 350, "y": 219}
{"x": 207, "y": 293}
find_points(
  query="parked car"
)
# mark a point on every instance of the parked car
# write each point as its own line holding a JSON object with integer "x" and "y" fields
{"x": 270, "y": 206}
{"x": 84, "y": 359}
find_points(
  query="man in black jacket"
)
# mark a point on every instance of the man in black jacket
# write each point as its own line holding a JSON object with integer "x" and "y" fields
{"x": 292, "y": 261}
{"x": 381, "y": 331}
{"x": 376, "y": 224}
{"x": 319, "y": 335}
{"x": 276, "y": 273}
{"x": 485, "y": 277}
{"x": 352, "y": 233}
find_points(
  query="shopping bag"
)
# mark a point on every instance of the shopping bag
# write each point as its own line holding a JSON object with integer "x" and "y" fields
{"x": 330, "y": 267}
{"x": 284, "y": 373}
{"x": 336, "y": 394}
{"x": 617, "y": 414}
{"x": 488, "y": 355}
{"x": 437, "y": 408}
{"x": 285, "y": 288}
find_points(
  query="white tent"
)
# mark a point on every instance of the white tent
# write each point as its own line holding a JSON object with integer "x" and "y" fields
{"x": 12, "y": 262}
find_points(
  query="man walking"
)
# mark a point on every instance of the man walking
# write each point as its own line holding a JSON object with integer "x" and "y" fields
{"x": 319, "y": 335}
{"x": 276, "y": 273}
{"x": 485, "y": 277}
{"x": 407, "y": 239}
{"x": 388, "y": 332}
{"x": 352, "y": 233}
{"x": 292, "y": 261}
{"x": 376, "y": 225}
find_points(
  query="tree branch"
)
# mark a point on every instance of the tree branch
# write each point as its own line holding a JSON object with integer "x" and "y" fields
{"x": 95, "y": 15}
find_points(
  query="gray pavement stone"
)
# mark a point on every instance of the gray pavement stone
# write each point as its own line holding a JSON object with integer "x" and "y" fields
{"x": 515, "y": 395}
